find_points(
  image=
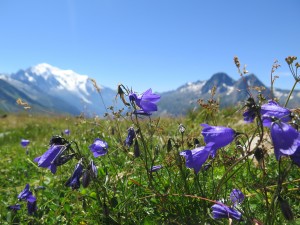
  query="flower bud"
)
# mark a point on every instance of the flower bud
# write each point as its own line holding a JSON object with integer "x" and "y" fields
{"x": 86, "y": 178}
{"x": 181, "y": 128}
{"x": 285, "y": 209}
{"x": 136, "y": 149}
{"x": 259, "y": 154}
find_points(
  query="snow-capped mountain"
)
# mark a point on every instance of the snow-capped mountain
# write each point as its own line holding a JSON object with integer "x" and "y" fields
{"x": 50, "y": 89}
{"x": 55, "y": 80}
{"x": 61, "y": 90}
{"x": 228, "y": 92}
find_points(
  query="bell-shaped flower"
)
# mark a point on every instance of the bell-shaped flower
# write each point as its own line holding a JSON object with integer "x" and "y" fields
{"x": 223, "y": 211}
{"x": 90, "y": 173}
{"x": 195, "y": 158}
{"x": 236, "y": 196}
{"x": 93, "y": 168}
{"x": 46, "y": 160}
{"x": 218, "y": 136}
{"x": 24, "y": 143}
{"x": 98, "y": 148}
{"x": 146, "y": 101}
{"x": 130, "y": 137}
{"x": 26, "y": 195}
{"x": 74, "y": 180}
{"x": 14, "y": 208}
{"x": 285, "y": 138}
{"x": 273, "y": 109}
{"x": 31, "y": 207}
{"x": 251, "y": 110}
{"x": 249, "y": 115}
{"x": 155, "y": 168}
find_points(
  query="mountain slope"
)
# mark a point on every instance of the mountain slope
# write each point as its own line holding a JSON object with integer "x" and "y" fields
{"x": 10, "y": 91}
{"x": 228, "y": 92}
{"x": 50, "y": 89}
{"x": 62, "y": 90}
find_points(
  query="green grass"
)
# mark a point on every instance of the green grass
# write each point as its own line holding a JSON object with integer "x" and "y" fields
{"x": 124, "y": 193}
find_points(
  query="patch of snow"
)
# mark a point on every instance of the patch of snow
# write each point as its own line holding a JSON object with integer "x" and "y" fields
{"x": 279, "y": 94}
{"x": 230, "y": 89}
{"x": 67, "y": 79}
{"x": 192, "y": 87}
{"x": 30, "y": 78}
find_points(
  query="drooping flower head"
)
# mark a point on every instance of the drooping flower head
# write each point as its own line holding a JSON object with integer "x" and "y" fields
{"x": 67, "y": 132}
{"x": 285, "y": 138}
{"x": 271, "y": 110}
{"x": 93, "y": 168}
{"x": 146, "y": 101}
{"x": 26, "y": 194}
{"x": 251, "y": 110}
{"x": 130, "y": 137}
{"x": 24, "y": 143}
{"x": 47, "y": 159}
{"x": 74, "y": 180}
{"x": 98, "y": 148}
{"x": 236, "y": 196}
{"x": 218, "y": 136}
{"x": 31, "y": 207}
{"x": 249, "y": 115}
{"x": 90, "y": 173}
{"x": 223, "y": 211}
{"x": 195, "y": 158}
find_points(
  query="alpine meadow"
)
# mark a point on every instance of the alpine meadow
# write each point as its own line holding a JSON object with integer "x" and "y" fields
{"x": 129, "y": 164}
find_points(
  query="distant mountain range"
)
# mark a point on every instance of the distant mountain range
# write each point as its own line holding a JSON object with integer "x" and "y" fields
{"x": 228, "y": 93}
{"x": 49, "y": 89}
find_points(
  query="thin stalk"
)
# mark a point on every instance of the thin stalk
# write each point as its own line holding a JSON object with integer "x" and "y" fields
{"x": 292, "y": 90}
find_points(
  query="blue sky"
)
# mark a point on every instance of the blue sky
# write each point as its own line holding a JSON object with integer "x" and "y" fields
{"x": 160, "y": 44}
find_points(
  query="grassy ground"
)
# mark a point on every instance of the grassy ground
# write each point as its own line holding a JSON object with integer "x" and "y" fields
{"x": 125, "y": 192}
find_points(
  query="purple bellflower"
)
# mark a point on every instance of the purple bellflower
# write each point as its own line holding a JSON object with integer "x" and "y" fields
{"x": 249, "y": 115}
{"x": 195, "y": 158}
{"x": 218, "y": 136}
{"x": 74, "y": 180}
{"x": 94, "y": 170}
{"x": 236, "y": 197}
{"x": 271, "y": 110}
{"x": 15, "y": 207}
{"x": 251, "y": 110}
{"x": 67, "y": 132}
{"x": 285, "y": 138}
{"x": 26, "y": 195}
{"x": 223, "y": 211}
{"x": 146, "y": 102}
{"x": 46, "y": 160}
{"x": 24, "y": 143}
{"x": 90, "y": 173}
{"x": 130, "y": 137}
{"x": 99, "y": 147}
{"x": 155, "y": 168}
{"x": 31, "y": 207}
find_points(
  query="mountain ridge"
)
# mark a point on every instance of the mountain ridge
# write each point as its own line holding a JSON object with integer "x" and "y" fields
{"x": 49, "y": 88}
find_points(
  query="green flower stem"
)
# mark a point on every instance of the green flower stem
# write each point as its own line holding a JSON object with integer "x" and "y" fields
{"x": 292, "y": 90}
